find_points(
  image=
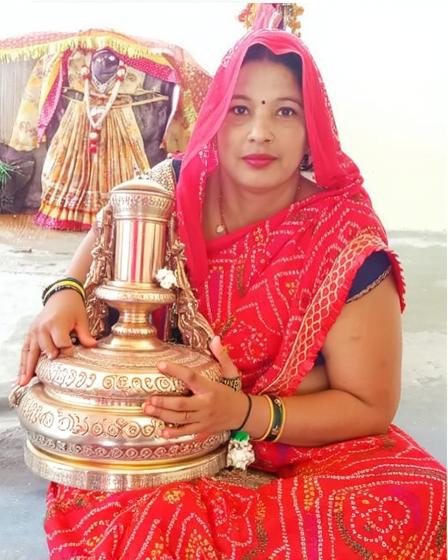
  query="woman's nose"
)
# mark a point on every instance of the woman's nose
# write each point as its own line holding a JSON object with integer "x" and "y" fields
{"x": 260, "y": 130}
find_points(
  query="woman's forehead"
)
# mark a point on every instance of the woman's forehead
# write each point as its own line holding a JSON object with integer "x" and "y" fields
{"x": 257, "y": 76}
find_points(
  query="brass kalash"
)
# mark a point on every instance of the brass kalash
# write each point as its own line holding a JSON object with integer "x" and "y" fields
{"x": 84, "y": 420}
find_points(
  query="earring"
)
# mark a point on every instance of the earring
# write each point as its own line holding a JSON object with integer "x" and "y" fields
{"x": 306, "y": 164}
{"x": 213, "y": 151}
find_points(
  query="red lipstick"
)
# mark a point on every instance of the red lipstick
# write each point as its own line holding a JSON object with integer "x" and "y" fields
{"x": 259, "y": 160}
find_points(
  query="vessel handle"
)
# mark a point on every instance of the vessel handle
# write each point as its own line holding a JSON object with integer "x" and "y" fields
{"x": 16, "y": 395}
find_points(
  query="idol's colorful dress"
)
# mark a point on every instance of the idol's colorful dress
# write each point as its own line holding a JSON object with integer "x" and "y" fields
{"x": 76, "y": 184}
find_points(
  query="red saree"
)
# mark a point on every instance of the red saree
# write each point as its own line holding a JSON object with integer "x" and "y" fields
{"x": 273, "y": 290}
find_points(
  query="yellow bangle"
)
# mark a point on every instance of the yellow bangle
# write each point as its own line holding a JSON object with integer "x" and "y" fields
{"x": 72, "y": 285}
{"x": 63, "y": 284}
{"x": 271, "y": 419}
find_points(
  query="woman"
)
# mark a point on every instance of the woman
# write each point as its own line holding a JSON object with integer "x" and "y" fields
{"x": 296, "y": 278}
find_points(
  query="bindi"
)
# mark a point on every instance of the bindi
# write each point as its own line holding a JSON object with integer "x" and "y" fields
{"x": 263, "y": 102}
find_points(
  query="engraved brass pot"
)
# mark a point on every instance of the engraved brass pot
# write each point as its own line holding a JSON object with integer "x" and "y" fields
{"x": 83, "y": 416}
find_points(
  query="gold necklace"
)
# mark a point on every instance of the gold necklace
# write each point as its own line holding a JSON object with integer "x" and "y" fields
{"x": 221, "y": 228}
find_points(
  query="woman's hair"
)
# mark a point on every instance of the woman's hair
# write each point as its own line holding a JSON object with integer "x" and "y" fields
{"x": 292, "y": 61}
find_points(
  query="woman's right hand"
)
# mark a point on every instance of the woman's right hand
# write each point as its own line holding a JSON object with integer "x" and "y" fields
{"x": 49, "y": 333}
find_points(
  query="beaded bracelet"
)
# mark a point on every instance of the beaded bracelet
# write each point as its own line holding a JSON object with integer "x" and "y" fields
{"x": 68, "y": 283}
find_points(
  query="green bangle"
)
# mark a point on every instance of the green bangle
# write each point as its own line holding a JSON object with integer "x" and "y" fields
{"x": 282, "y": 426}
{"x": 278, "y": 419}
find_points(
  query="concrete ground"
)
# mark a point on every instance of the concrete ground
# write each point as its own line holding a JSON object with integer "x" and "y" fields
{"x": 30, "y": 258}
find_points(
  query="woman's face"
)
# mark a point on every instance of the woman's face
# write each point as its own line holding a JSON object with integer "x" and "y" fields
{"x": 263, "y": 138}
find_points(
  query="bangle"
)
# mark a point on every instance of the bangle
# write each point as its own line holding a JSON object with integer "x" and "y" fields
{"x": 283, "y": 422}
{"x": 58, "y": 289}
{"x": 246, "y": 418}
{"x": 271, "y": 419}
{"x": 279, "y": 418}
{"x": 234, "y": 383}
{"x": 68, "y": 279}
{"x": 68, "y": 283}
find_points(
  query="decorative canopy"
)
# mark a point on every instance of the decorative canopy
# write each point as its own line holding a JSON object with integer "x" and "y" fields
{"x": 163, "y": 60}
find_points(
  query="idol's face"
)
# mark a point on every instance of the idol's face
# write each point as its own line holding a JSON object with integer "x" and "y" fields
{"x": 263, "y": 137}
{"x": 104, "y": 65}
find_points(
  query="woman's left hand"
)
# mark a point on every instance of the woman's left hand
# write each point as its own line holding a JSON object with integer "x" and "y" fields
{"x": 212, "y": 408}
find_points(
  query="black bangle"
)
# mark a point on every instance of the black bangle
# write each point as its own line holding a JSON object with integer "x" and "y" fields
{"x": 70, "y": 279}
{"x": 56, "y": 289}
{"x": 246, "y": 418}
{"x": 62, "y": 284}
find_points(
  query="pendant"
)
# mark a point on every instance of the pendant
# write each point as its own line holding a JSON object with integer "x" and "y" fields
{"x": 93, "y": 141}
{"x": 220, "y": 229}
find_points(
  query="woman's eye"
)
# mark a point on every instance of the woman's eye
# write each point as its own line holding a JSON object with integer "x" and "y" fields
{"x": 287, "y": 112}
{"x": 238, "y": 110}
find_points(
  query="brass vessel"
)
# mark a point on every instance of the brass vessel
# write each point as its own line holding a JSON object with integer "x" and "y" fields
{"x": 83, "y": 417}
